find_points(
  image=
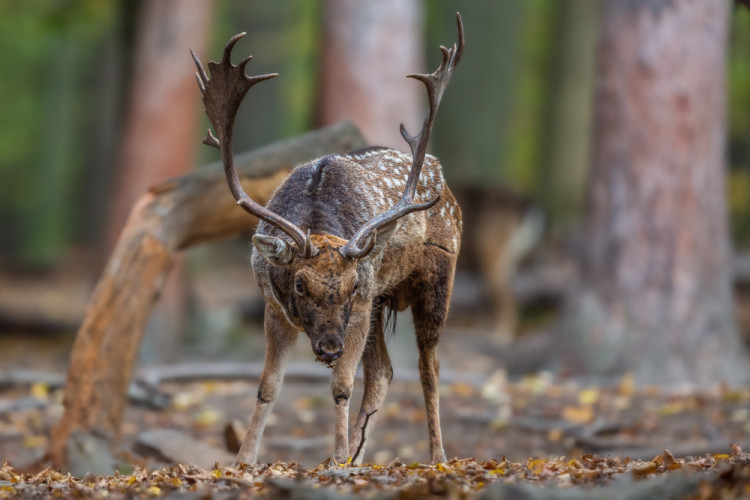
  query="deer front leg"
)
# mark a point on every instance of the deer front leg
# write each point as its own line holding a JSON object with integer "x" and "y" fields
{"x": 280, "y": 338}
{"x": 342, "y": 380}
{"x": 376, "y": 365}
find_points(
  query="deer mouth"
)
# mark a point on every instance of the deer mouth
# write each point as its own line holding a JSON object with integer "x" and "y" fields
{"x": 328, "y": 349}
{"x": 330, "y": 363}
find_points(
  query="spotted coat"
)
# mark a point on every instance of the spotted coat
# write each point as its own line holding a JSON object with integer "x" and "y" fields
{"x": 337, "y": 194}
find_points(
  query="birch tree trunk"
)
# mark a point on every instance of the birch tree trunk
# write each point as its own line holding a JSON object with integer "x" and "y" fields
{"x": 656, "y": 292}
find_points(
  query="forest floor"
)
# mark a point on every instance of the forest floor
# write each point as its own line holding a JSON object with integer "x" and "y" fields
{"x": 522, "y": 433}
{"x": 507, "y": 436}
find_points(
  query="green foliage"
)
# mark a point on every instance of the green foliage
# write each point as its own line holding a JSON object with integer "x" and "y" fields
{"x": 475, "y": 132}
{"x": 533, "y": 89}
{"x": 739, "y": 126}
{"x": 283, "y": 38}
{"x": 492, "y": 124}
{"x": 47, "y": 48}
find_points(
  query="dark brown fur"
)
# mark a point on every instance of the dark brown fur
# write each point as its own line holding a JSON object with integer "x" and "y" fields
{"x": 334, "y": 196}
{"x": 342, "y": 236}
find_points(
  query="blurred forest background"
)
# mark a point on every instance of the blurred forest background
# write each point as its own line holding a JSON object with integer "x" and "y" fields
{"x": 514, "y": 134}
{"x": 599, "y": 149}
{"x": 68, "y": 65}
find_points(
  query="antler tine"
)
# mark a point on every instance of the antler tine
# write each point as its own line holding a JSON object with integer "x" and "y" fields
{"x": 222, "y": 95}
{"x": 201, "y": 73}
{"x": 435, "y": 83}
{"x": 226, "y": 57}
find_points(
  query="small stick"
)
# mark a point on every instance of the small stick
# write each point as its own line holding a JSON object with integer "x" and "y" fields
{"x": 362, "y": 438}
{"x": 237, "y": 480}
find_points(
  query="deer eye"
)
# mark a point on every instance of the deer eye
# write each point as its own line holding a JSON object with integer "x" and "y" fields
{"x": 299, "y": 287}
{"x": 356, "y": 286}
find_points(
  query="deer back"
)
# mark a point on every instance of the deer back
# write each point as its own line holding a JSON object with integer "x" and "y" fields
{"x": 337, "y": 194}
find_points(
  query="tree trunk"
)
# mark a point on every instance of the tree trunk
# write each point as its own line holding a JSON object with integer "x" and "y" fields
{"x": 368, "y": 49}
{"x": 656, "y": 296}
{"x": 159, "y": 133}
{"x": 169, "y": 217}
{"x": 163, "y": 103}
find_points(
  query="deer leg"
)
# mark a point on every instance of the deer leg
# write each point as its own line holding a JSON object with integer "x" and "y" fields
{"x": 342, "y": 379}
{"x": 376, "y": 365}
{"x": 280, "y": 338}
{"x": 429, "y": 368}
{"x": 430, "y": 308}
{"x": 505, "y": 313}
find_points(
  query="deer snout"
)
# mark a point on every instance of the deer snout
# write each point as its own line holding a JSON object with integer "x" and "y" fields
{"x": 328, "y": 348}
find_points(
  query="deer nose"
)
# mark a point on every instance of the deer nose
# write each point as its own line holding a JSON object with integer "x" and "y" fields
{"x": 328, "y": 348}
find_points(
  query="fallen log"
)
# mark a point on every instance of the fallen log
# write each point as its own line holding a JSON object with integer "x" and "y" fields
{"x": 296, "y": 372}
{"x": 170, "y": 217}
{"x": 641, "y": 451}
{"x": 138, "y": 393}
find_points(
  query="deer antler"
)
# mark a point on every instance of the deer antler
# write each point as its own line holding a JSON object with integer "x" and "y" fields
{"x": 222, "y": 95}
{"x": 363, "y": 240}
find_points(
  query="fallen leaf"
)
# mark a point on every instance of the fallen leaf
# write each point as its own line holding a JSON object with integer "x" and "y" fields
{"x": 588, "y": 396}
{"x": 463, "y": 390}
{"x": 578, "y": 414}
{"x": 536, "y": 465}
{"x": 40, "y": 390}
{"x": 555, "y": 435}
{"x": 35, "y": 441}
{"x": 154, "y": 491}
{"x": 627, "y": 384}
{"x": 644, "y": 468}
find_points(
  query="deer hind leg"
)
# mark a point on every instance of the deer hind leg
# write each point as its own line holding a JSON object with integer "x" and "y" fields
{"x": 280, "y": 338}
{"x": 431, "y": 297}
{"x": 376, "y": 365}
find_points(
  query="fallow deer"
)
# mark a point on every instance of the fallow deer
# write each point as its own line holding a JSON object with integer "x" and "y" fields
{"x": 344, "y": 239}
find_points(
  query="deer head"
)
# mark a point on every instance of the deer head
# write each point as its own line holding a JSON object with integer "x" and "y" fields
{"x": 320, "y": 293}
{"x": 321, "y": 272}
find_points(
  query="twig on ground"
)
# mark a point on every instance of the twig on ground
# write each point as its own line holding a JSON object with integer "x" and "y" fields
{"x": 238, "y": 481}
{"x": 621, "y": 449}
{"x": 363, "y": 437}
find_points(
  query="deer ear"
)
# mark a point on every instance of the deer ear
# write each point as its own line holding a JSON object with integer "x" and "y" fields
{"x": 381, "y": 236}
{"x": 275, "y": 250}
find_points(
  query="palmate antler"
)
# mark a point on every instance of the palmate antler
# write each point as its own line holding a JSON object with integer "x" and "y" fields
{"x": 222, "y": 95}
{"x": 363, "y": 240}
